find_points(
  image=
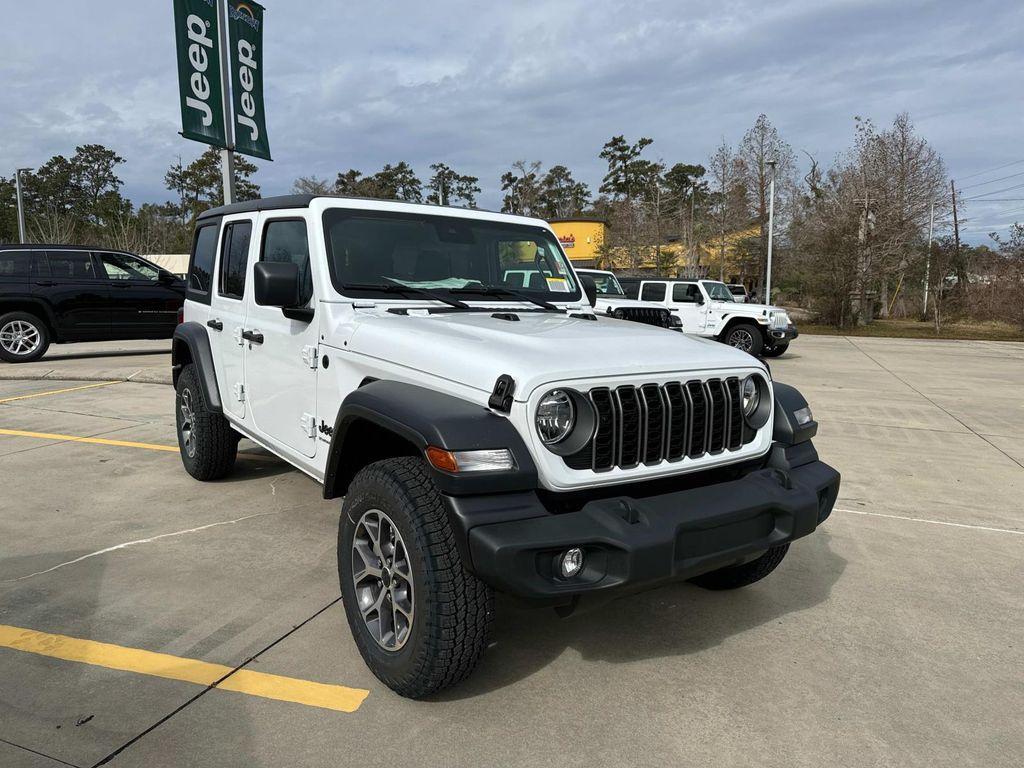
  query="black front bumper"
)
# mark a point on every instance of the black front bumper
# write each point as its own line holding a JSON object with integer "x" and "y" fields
{"x": 782, "y": 336}
{"x": 513, "y": 542}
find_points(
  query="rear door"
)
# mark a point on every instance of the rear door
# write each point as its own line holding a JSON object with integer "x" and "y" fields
{"x": 80, "y": 296}
{"x": 142, "y": 305}
{"x": 227, "y": 312}
{"x": 280, "y": 364}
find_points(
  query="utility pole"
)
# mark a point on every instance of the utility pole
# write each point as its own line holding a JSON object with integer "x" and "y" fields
{"x": 691, "y": 259}
{"x": 771, "y": 230}
{"x": 961, "y": 277}
{"x": 227, "y": 156}
{"x": 21, "y": 204}
{"x": 928, "y": 259}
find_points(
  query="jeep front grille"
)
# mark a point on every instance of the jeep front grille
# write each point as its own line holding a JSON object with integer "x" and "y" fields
{"x": 648, "y": 315}
{"x": 653, "y": 423}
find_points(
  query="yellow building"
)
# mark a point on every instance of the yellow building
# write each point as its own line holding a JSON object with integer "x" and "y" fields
{"x": 581, "y": 238}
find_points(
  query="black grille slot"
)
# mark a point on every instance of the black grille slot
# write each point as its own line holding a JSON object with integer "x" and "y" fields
{"x": 654, "y": 423}
{"x": 629, "y": 426}
{"x": 604, "y": 436}
{"x": 699, "y": 423}
{"x": 718, "y": 418}
{"x": 736, "y": 425}
{"x": 654, "y": 411}
{"x": 647, "y": 315}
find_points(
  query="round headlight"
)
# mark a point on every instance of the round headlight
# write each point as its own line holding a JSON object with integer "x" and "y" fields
{"x": 755, "y": 401}
{"x": 751, "y": 396}
{"x": 556, "y": 415}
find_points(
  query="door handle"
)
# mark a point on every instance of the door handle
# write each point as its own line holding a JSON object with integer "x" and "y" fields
{"x": 217, "y": 325}
{"x": 254, "y": 336}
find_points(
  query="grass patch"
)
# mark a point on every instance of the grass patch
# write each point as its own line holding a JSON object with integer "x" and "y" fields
{"x": 915, "y": 329}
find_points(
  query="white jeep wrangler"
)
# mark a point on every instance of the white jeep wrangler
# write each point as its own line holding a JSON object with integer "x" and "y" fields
{"x": 611, "y": 300}
{"x": 484, "y": 437}
{"x": 708, "y": 308}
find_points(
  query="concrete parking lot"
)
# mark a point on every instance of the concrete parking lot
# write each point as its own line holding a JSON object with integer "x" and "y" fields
{"x": 894, "y": 636}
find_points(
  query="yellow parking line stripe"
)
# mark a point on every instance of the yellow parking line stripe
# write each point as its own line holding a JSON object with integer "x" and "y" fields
{"x": 59, "y": 391}
{"x": 337, "y": 697}
{"x": 93, "y": 440}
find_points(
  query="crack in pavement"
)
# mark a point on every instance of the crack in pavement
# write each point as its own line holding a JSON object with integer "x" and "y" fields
{"x": 37, "y": 752}
{"x": 914, "y": 389}
{"x": 136, "y": 542}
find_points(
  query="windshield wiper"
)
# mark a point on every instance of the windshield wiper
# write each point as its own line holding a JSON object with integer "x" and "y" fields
{"x": 399, "y": 288}
{"x": 493, "y": 290}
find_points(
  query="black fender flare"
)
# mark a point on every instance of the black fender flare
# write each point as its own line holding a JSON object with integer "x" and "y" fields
{"x": 194, "y": 338}
{"x": 786, "y": 430}
{"x": 424, "y": 417}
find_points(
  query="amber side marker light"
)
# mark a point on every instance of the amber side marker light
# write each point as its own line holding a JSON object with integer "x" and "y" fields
{"x": 493, "y": 460}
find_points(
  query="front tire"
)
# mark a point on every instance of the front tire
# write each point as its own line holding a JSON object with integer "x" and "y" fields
{"x": 736, "y": 576}
{"x": 23, "y": 337}
{"x": 775, "y": 350}
{"x": 207, "y": 444}
{"x": 421, "y": 621}
{"x": 746, "y": 337}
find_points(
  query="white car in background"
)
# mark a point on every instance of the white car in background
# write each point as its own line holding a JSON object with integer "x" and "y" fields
{"x": 612, "y": 301}
{"x": 707, "y": 308}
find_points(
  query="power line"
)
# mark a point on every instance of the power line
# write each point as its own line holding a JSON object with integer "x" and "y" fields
{"x": 986, "y": 183}
{"x": 997, "y": 168}
{"x": 996, "y": 192}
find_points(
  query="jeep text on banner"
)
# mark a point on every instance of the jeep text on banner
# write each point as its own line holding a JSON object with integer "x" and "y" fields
{"x": 199, "y": 79}
{"x": 245, "y": 45}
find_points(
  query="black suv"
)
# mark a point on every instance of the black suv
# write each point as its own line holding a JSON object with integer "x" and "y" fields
{"x": 61, "y": 293}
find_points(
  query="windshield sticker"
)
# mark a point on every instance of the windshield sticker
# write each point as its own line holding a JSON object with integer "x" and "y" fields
{"x": 558, "y": 284}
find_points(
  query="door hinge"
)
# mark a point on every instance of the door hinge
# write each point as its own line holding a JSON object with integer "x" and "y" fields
{"x": 309, "y": 355}
{"x": 238, "y": 335}
{"x": 240, "y": 392}
{"x": 308, "y": 422}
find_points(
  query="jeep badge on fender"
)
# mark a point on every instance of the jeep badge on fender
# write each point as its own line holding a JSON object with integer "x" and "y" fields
{"x": 484, "y": 433}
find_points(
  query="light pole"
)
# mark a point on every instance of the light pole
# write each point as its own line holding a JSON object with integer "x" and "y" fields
{"x": 928, "y": 260}
{"x": 21, "y": 204}
{"x": 771, "y": 231}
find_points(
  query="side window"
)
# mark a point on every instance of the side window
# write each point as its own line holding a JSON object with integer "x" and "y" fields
{"x": 285, "y": 240}
{"x": 653, "y": 292}
{"x": 15, "y": 264}
{"x": 71, "y": 265}
{"x": 118, "y": 266}
{"x": 686, "y": 294}
{"x": 200, "y": 271}
{"x": 234, "y": 255}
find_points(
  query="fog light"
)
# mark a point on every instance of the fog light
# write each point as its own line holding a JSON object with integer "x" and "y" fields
{"x": 803, "y": 415}
{"x": 571, "y": 562}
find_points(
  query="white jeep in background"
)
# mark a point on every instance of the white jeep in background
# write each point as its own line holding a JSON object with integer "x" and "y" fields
{"x": 707, "y": 308}
{"x": 612, "y": 301}
{"x": 485, "y": 435}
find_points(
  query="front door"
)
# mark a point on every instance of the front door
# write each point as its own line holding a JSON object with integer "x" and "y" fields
{"x": 281, "y": 351}
{"x": 142, "y": 307}
{"x": 688, "y": 303}
{"x": 227, "y": 313}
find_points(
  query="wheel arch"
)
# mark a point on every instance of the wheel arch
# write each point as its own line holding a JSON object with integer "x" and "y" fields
{"x": 33, "y": 307}
{"x": 384, "y": 419}
{"x": 732, "y": 321}
{"x": 191, "y": 345}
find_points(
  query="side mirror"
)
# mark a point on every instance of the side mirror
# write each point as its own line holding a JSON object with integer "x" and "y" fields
{"x": 276, "y": 284}
{"x": 700, "y": 298}
{"x": 165, "y": 278}
{"x": 589, "y": 288}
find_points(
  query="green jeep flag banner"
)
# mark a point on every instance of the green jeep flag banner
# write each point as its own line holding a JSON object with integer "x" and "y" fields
{"x": 245, "y": 47}
{"x": 202, "y": 103}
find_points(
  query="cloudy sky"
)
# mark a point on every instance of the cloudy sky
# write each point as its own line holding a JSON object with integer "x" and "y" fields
{"x": 480, "y": 85}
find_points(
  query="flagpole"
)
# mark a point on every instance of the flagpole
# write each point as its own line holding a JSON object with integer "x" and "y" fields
{"x": 227, "y": 155}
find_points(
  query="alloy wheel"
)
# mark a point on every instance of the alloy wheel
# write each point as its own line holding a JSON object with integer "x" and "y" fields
{"x": 21, "y": 338}
{"x": 188, "y": 423}
{"x": 741, "y": 338}
{"x": 382, "y": 577}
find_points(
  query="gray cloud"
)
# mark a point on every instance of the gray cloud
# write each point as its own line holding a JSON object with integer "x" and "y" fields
{"x": 480, "y": 86}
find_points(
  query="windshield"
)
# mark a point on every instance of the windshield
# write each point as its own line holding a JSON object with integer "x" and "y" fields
{"x": 738, "y": 290}
{"x": 606, "y": 283}
{"x": 717, "y": 291}
{"x": 444, "y": 254}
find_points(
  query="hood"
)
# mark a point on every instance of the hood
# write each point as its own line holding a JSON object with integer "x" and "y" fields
{"x": 745, "y": 308}
{"x": 615, "y": 302}
{"x": 475, "y": 348}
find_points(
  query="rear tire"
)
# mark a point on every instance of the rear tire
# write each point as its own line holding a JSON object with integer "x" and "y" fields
{"x": 746, "y": 337}
{"x": 207, "y": 444}
{"x": 736, "y": 576}
{"x": 421, "y": 621}
{"x": 23, "y": 337}
{"x": 775, "y": 350}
